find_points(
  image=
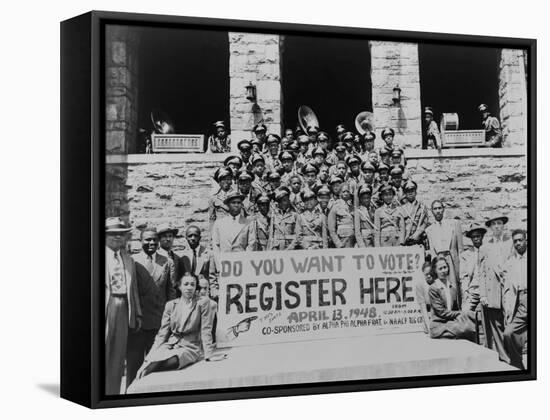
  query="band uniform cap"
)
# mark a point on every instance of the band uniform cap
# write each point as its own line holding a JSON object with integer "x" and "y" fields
{"x": 475, "y": 228}
{"x": 340, "y": 148}
{"x": 222, "y": 173}
{"x": 312, "y": 129}
{"x": 285, "y": 155}
{"x": 367, "y": 166}
{"x": 319, "y": 151}
{"x": 364, "y": 189}
{"x": 257, "y": 157}
{"x": 244, "y": 145}
{"x": 256, "y": 142}
{"x": 495, "y": 218}
{"x": 334, "y": 179}
{"x": 386, "y": 187}
{"x": 218, "y": 124}
{"x": 369, "y": 136}
{"x": 236, "y": 160}
{"x": 396, "y": 170}
{"x": 324, "y": 190}
{"x": 273, "y": 138}
{"x": 262, "y": 198}
{"x": 281, "y": 192}
{"x": 166, "y": 228}
{"x": 293, "y": 146}
{"x": 387, "y": 131}
{"x": 322, "y": 135}
{"x": 303, "y": 139}
{"x": 259, "y": 127}
{"x": 341, "y": 128}
{"x": 308, "y": 168}
{"x": 352, "y": 159}
{"x": 428, "y": 110}
{"x": 348, "y": 137}
{"x": 483, "y": 108}
{"x": 273, "y": 176}
{"x": 116, "y": 224}
{"x": 397, "y": 152}
{"x": 410, "y": 185}
{"x": 383, "y": 167}
{"x": 245, "y": 176}
{"x": 307, "y": 194}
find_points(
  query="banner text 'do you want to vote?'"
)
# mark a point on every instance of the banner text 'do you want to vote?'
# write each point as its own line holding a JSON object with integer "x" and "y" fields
{"x": 281, "y": 296}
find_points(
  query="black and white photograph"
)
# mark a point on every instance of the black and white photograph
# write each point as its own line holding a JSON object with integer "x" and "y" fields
{"x": 289, "y": 208}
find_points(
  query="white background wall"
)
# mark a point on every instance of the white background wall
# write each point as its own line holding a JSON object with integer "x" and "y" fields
{"x": 29, "y": 101}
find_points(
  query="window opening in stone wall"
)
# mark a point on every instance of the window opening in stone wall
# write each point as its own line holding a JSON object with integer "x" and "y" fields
{"x": 455, "y": 82}
{"x": 331, "y": 76}
{"x": 183, "y": 88}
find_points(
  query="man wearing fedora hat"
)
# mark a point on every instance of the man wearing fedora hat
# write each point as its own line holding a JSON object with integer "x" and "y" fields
{"x": 499, "y": 242}
{"x": 219, "y": 142}
{"x": 167, "y": 235}
{"x": 122, "y": 304}
{"x": 482, "y": 286}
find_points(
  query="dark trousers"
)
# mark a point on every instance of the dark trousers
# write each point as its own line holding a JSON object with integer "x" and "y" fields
{"x": 494, "y": 331}
{"x": 515, "y": 333}
{"x": 139, "y": 344}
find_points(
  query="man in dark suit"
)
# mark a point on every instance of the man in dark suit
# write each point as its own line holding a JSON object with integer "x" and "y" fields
{"x": 167, "y": 234}
{"x": 194, "y": 259}
{"x": 155, "y": 289}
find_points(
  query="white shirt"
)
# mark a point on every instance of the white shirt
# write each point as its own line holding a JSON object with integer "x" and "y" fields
{"x": 440, "y": 235}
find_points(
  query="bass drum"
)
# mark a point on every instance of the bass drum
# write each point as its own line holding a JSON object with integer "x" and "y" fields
{"x": 449, "y": 121}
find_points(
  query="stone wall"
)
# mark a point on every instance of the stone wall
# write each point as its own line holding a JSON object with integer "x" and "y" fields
{"x": 254, "y": 58}
{"x": 513, "y": 97}
{"x": 392, "y": 64}
{"x": 472, "y": 188}
{"x": 121, "y": 84}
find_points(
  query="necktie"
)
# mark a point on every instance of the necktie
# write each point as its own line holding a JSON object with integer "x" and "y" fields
{"x": 194, "y": 262}
{"x": 150, "y": 266}
{"x": 118, "y": 285}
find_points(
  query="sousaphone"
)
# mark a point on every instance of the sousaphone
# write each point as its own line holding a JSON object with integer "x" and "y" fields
{"x": 162, "y": 122}
{"x": 307, "y": 118}
{"x": 364, "y": 122}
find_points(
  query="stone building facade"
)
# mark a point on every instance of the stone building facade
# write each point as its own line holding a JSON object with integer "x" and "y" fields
{"x": 150, "y": 189}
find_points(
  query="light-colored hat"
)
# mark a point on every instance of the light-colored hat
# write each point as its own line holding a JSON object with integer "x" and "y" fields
{"x": 475, "y": 227}
{"x": 116, "y": 225}
{"x": 166, "y": 228}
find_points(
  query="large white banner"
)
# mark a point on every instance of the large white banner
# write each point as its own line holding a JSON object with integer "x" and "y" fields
{"x": 278, "y": 296}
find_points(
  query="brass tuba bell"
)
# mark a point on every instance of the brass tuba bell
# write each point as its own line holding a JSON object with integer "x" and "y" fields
{"x": 364, "y": 122}
{"x": 307, "y": 118}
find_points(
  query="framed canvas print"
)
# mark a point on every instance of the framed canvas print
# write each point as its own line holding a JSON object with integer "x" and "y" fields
{"x": 255, "y": 209}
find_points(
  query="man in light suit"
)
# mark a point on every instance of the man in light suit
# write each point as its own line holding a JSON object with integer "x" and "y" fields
{"x": 194, "y": 259}
{"x": 122, "y": 304}
{"x": 153, "y": 275}
{"x": 445, "y": 238}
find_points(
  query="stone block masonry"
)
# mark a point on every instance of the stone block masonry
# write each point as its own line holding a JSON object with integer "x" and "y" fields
{"x": 256, "y": 59}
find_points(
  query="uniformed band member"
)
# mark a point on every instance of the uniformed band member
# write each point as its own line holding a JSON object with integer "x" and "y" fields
{"x": 313, "y": 223}
{"x": 219, "y": 142}
{"x": 340, "y": 219}
{"x": 491, "y": 125}
{"x": 388, "y": 220}
{"x": 415, "y": 216}
{"x": 284, "y": 227}
{"x": 364, "y": 218}
{"x": 216, "y": 207}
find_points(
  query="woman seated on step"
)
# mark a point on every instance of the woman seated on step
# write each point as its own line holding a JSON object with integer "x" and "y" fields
{"x": 185, "y": 335}
{"x": 447, "y": 320}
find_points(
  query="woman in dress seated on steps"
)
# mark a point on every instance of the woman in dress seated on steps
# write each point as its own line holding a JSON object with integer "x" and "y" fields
{"x": 185, "y": 335}
{"x": 447, "y": 320}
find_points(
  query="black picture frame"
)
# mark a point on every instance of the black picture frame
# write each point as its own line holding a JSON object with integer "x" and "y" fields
{"x": 82, "y": 209}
